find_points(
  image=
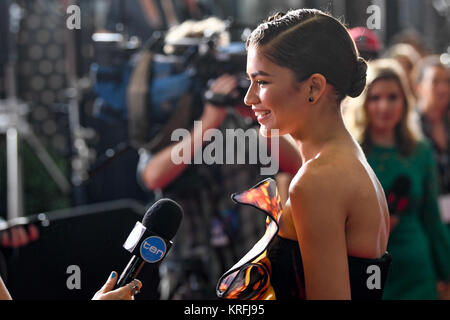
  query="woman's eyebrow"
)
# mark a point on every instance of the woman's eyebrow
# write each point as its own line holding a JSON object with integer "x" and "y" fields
{"x": 259, "y": 73}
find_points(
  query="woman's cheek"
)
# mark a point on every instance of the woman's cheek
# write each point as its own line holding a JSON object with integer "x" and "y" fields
{"x": 266, "y": 97}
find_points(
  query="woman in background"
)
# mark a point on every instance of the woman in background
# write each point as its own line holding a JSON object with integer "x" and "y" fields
{"x": 408, "y": 57}
{"x": 432, "y": 85}
{"x": 382, "y": 119}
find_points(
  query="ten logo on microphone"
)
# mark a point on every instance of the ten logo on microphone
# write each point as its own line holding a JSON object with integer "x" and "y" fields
{"x": 153, "y": 249}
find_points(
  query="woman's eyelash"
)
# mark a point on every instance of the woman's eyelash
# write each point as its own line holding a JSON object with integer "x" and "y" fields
{"x": 258, "y": 82}
{"x": 393, "y": 97}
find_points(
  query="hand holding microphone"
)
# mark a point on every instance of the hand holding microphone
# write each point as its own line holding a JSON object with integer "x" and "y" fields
{"x": 149, "y": 242}
{"x": 123, "y": 293}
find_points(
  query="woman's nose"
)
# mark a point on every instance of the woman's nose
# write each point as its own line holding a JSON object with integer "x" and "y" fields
{"x": 384, "y": 104}
{"x": 250, "y": 97}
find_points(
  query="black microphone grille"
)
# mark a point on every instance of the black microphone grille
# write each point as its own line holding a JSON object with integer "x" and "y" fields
{"x": 163, "y": 218}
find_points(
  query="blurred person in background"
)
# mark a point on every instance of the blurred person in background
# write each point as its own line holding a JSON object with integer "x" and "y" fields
{"x": 369, "y": 47}
{"x": 367, "y": 42}
{"x": 383, "y": 121}
{"x": 432, "y": 85}
{"x": 407, "y": 56}
{"x": 413, "y": 38}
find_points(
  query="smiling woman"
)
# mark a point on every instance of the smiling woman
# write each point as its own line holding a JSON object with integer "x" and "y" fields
{"x": 385, "y": 105}
{"x": 388, "y": 114}
{"x": 334, "y": 227}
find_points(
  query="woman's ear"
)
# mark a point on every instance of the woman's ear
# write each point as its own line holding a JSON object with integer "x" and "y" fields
{"x": 316, "y": 87}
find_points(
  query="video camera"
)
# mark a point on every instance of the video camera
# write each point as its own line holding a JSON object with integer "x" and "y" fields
{"x": 180, "y": 67}
{"x": 209, "y": 60}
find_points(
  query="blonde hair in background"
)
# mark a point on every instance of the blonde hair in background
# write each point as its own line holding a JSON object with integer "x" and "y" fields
{"x": 403, "y": 50}
{"x": 197, "y": 29}
{"x": 407, "y": 131}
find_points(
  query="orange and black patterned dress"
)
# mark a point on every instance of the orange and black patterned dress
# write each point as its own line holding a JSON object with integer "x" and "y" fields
{"x": 273, "y": 269}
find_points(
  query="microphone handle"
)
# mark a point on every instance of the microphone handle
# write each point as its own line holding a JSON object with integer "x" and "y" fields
{"x": 131, "y": 271}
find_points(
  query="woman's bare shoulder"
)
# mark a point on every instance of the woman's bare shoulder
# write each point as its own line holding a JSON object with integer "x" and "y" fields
{"x": 316, "y": 205}
{"x": 328, "y": 179}
{"x": 324, "y": 171}
{"x": 317, "y": 180}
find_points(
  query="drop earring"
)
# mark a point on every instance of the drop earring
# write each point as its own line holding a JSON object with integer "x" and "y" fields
{"x": 311, "y": 99}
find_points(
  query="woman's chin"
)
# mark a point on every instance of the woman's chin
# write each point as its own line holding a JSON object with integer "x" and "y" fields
{"x": 269, "y": 132}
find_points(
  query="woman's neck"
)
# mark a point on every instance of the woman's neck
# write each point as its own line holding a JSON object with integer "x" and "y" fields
{"x": 328, "y": 127}
{"x": 385, "y": 138}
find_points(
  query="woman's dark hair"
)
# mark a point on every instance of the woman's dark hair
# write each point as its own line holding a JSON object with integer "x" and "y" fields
{"x": 309, "y": 41}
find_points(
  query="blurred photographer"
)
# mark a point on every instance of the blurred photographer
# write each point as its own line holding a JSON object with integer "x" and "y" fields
{"x": 215, "y": 231}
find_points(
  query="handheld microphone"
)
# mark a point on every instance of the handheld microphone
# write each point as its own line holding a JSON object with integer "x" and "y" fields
{"x": 150, "y": 241}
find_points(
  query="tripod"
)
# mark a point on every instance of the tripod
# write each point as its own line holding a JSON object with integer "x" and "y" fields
{"x": 14, "y": 125}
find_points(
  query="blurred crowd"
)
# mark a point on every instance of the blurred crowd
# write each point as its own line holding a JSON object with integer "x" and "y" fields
{"x": 402, "y": 122}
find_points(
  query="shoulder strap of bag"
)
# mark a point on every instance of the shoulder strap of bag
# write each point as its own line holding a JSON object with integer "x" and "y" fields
{"x": 137, "y": 99}
{"x": 138, "y": 106}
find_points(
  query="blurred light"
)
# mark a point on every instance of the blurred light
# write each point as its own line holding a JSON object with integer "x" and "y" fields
{"x": 45, "y": 67}
{"x": 40, "y": 113}
{"x": 49, "y": 127}
{"x": 445, "y": 59}
{"x": 48, "y": 97}
{"x": 53, "y": 51}
{"x": 36, "y": 52}
{"x": 43, "y": 36}
{"x": 59, "y": 142}
{"x": 442, "y": 7}
{"x": 37, "y": 83}
{"x": 55, "y": 81}
{"x": 107, "y": 37}
{"x": 33, "y": 22}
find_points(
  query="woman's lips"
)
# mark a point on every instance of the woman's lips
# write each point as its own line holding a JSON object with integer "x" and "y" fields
{"x": 262, "y": 115}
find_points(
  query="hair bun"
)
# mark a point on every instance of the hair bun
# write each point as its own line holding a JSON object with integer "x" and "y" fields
{"x": 359, "y": 79}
